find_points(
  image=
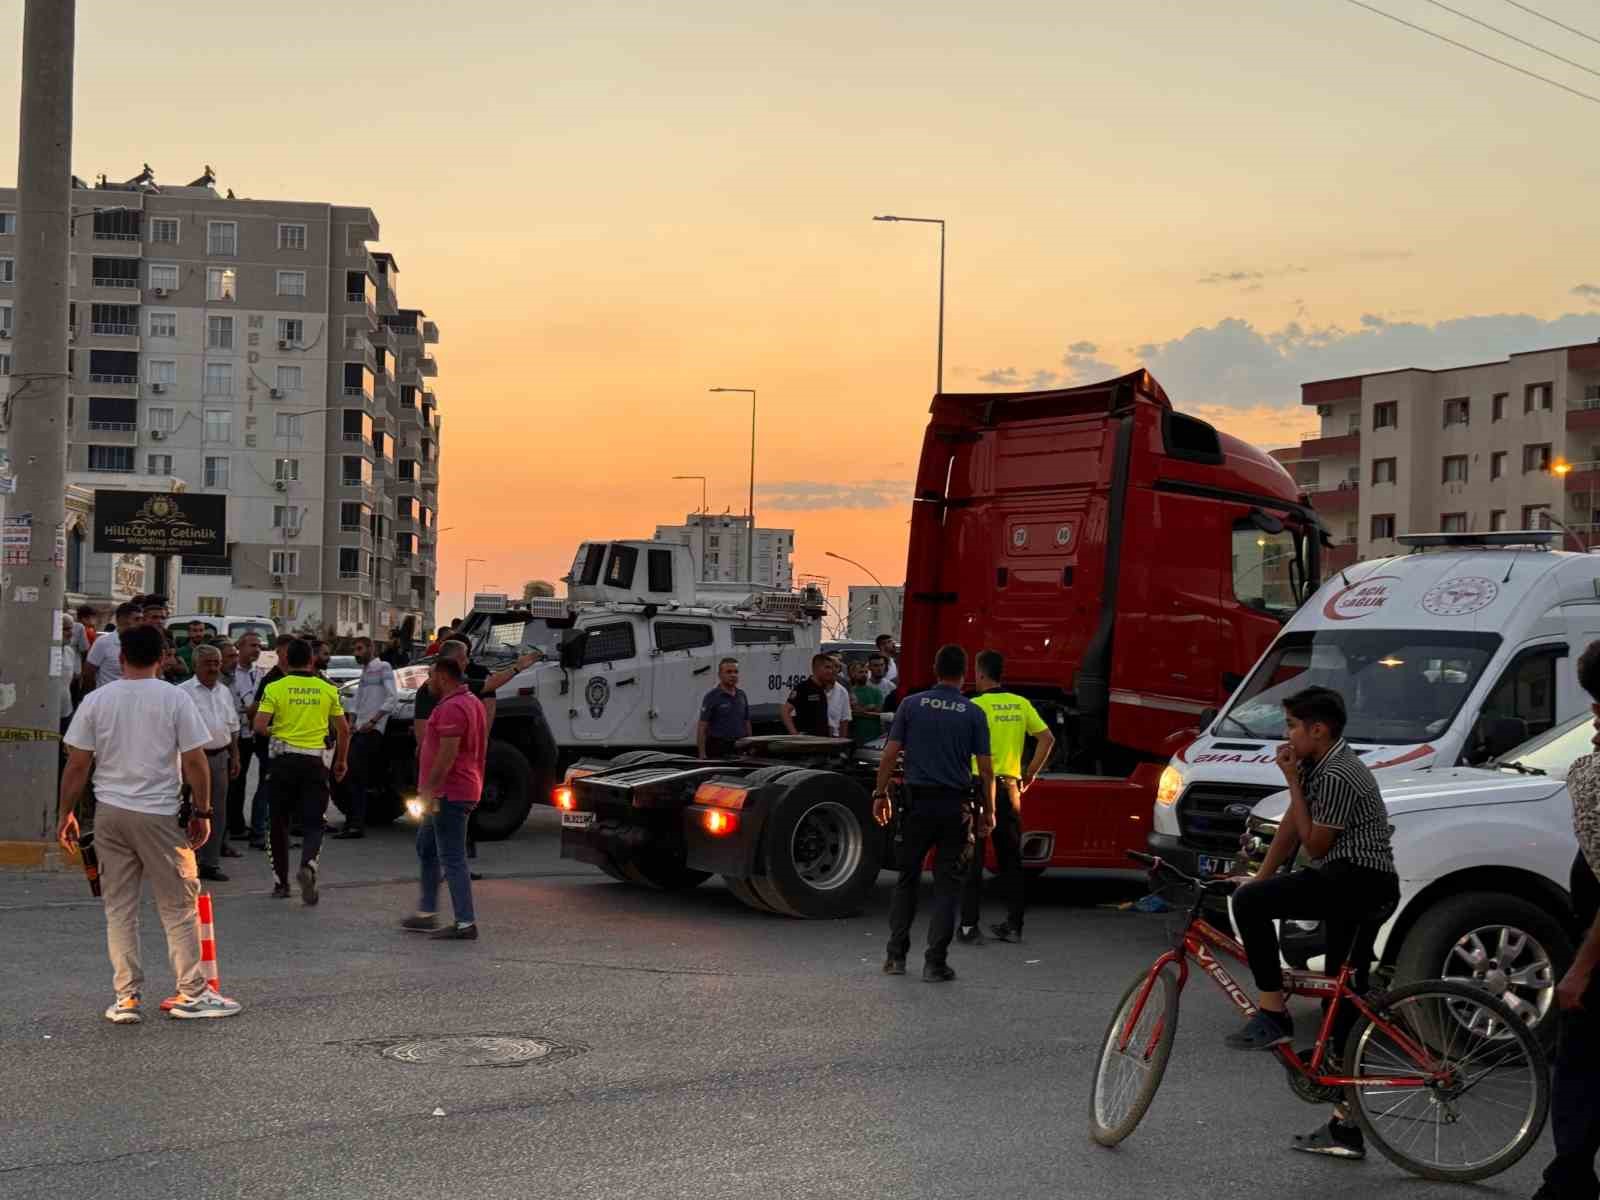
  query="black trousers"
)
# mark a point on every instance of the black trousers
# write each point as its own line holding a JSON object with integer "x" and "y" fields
{"x": 1007, "y": 839}
{"x": 366, "y": 775}
{"x": 248, "y": 749}
{"x": 1575, "y": 1075}
{"x": 937, "y": 819}
{"x": 1340, "y": 895}
{"x": 720, "y": 747}
{"x": 300, "y": 791}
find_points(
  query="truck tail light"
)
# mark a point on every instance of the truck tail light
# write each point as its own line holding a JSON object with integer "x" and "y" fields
{"x": 563, "y": 798}
{"x": 721, "y": 795}
{"x": 719, "y": 822}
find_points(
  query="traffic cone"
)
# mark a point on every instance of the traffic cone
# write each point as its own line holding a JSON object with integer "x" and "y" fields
{"x": 208, "y": 948}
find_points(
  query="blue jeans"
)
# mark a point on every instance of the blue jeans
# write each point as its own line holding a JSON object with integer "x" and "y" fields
{"x": 442, "y": 848}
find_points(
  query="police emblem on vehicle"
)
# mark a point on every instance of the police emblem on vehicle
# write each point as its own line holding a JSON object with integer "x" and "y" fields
{"x": 1238, "y": 810}
{"x": 596, "y": 694}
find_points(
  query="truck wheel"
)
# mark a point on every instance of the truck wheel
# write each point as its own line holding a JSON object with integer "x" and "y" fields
{"x": 746, "y": 893}
{"x": 818, "y": 846}
{"x": 507, "y": 794}
{"x": 1510, "y": 947}
{"x": 663, "y": 874}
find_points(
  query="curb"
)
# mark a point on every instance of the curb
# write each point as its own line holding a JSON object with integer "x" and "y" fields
{"x": 34, "y": 856}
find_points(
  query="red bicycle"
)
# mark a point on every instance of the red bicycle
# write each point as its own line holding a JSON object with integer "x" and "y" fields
{"x": 1443, "y": 1078}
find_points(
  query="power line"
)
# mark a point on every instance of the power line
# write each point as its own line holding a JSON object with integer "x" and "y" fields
{"x": 1590, "y": 97}
{"x": 1559, "y": 25}
{"x": 1513, "y": 37}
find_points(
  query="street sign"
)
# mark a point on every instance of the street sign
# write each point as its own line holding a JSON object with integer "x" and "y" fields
{"x": 159, "y": 523}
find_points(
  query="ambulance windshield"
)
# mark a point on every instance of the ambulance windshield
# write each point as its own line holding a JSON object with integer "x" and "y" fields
{"x": 1400, "y": 686}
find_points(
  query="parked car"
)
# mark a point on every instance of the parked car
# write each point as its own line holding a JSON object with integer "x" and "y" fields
{"x": 342, "y": 668}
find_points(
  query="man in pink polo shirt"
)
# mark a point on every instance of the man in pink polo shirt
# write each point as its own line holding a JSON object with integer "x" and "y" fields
{"x": 449, "y": 784}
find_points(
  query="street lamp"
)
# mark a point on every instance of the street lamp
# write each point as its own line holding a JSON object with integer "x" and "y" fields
{"x": 895, "y": 608}
{"x": 750, "y": 508}
{"x": 465, "y": 566}
{"x": 939, "y": 221}
{"x": 281, "y": 476}
{"x": 702, "y": 480}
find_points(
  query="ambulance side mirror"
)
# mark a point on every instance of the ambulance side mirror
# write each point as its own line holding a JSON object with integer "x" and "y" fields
{"x": 1207, "y": 715}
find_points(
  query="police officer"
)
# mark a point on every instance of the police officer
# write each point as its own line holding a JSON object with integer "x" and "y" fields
{"x": 943, "y": 734}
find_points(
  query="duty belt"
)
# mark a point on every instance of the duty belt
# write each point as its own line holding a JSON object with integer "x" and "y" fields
{"x": 282, "y": 747}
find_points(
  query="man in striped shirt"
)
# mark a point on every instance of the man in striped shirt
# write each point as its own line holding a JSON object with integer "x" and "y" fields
{"x": 1337, "y": 816}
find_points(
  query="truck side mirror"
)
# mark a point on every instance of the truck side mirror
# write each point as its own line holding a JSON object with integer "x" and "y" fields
{"x": 574, "y": 648}
{"x": 1207, "y": 715}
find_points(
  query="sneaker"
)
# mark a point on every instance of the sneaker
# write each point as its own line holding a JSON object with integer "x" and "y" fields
{"x": 1336, "y": 1139}
{"x": 1006, "y": 932}
{"x": 308, "y": 884}
{"x": 125, "y": 1011}
{"x": 420, "y": 923}
{"x": 1263, "y": 1031}
{"x": 894, "y": 966}
{"x": 207, "y": 1004}
{"x": 970, "y": 935}
{"x": 456, "y": 933}
{"x": 938, "y": 973}
{"x": 280, "y": 891}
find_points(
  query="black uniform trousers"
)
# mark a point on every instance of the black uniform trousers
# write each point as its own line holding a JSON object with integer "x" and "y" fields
{"x": 937, "y": 819}
{"x": 1007, "y": 839}
{"x": 300, "y": 791}
{"x": 1575, "y": 1074}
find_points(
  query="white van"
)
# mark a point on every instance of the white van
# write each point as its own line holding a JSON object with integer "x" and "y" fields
{"x": 232, "y": 628}
{"x": 1445, "y": 656}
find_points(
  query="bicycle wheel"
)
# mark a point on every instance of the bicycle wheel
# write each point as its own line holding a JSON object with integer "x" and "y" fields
{"x": 1133, "y": 1058}
{"x": 1492, "y": 1093}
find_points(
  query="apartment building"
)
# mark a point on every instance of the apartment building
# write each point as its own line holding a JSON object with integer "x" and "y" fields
{"x": 1505, "y": 445}
{"x": 720, "y": 545}
{"x": 255, "y": 348}
{"x": 873, "y": 610}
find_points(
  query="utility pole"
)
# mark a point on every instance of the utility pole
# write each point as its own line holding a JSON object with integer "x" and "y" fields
{"x": 30, "y": 621}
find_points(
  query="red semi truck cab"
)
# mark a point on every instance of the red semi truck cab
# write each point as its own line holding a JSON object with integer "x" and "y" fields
{"x": 1129, "y": 561}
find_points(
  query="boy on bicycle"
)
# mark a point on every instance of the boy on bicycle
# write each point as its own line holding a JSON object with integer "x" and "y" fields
{"x": 1337, "y": 816}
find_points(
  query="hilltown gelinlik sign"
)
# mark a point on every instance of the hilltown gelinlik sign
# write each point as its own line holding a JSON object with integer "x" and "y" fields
{"x": 160, "y": 523}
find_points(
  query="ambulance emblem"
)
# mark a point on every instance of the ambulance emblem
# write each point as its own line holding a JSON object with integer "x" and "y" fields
{"x": 1460, "y": 596}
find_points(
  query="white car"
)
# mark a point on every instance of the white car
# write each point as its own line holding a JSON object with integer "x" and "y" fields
{"x": 342, "y": 669}
{"x": 1484, "y": 856}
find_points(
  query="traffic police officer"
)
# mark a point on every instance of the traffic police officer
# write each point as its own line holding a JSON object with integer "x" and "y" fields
{"x": 942, "y": 734}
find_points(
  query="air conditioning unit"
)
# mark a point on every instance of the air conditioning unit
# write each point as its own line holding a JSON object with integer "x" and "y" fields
{"x": 159, "y": 293}
{"x": 275, "y": 394}
{"x": 280, "y": 485}
{"x": 283, "y": 343}
{"x": 1324, "y": 410}
{"x": 292, "y": 531}
{"x": 157, "y": 435}
{"x": 158, "y": 388}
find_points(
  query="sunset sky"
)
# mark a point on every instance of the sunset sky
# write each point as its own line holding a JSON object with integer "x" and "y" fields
{"x": 611, "y": 207}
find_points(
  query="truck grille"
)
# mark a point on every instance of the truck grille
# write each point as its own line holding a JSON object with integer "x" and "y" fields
{"x": 1204, "y": 819}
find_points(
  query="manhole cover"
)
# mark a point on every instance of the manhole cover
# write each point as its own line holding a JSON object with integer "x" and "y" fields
{"x": 469, "y": 1051}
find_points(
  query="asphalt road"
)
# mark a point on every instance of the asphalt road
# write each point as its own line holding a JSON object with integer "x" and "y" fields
{"x": 699, "y": 1050}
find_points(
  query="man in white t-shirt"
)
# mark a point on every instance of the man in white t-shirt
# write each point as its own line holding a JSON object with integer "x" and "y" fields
{"x": 838, "y": 701}
{"x": 220, "y": 714}
{"x": 104, "y": 663}
{"x": 136, "y": 734}
{"x": 891, "y": 670}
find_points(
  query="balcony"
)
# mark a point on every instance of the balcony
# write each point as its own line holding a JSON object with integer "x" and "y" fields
{"x": 404, "y": 487}
{"x": 357, "y": 304}
{"x": 115, "y": 385}
{"x": 118, "y": 283}
{"x": 429, "y": 368}
{"x": 107, "y": 329}
{"x": 430, "y": 333}
{"x": 430, "y": 474}
{"x": 1336, "y": 498}
{"x": 1585, "y": 419}
{"x": 1339, "y": 556}
{"x": 351, "y": 392}
{"x": 1346, "y": 445}
{"x": 410, "y": 417}
{"x": 1584, "y": 477}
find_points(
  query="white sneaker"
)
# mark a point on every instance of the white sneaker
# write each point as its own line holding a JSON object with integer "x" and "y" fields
{"x": 207, "y": 1004}
{"x": 125, "y": 1011}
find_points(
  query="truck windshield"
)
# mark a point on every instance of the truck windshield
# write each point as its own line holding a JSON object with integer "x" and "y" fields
{"x": 1400, "y": 686}
{"x": 1269, "y": 569}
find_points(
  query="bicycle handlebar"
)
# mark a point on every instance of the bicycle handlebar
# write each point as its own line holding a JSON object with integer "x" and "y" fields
{"x": 1157, "y": 865}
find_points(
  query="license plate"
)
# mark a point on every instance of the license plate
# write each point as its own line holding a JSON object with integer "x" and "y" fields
{"x": 577, "y": 820}
{"x": 1210, "y": 864}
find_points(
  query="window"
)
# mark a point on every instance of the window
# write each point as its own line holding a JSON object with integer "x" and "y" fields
{"x": 8, "y": 270}
{"x": 352, "y": 516}
{"x": 1352, "y": 531}
{"x": 609, "y": 643}
{"x": 161, "y": 420}
{"x": 119, "y": 414}
{"x": 219, "y": 379}
{"x": 211, "y": 606}
{"x": 659, "y": 564}
{"x": 349, "y": 562}
{"x": 285, "y": 516}
{"x": 1497, "y": 464}
{"x": 680, "y": 635}
{"x": 219, "y": 333}
{"x": 158, "y": 464}
{"x": 1453, "y": 523}
{"x": 5, "y": 365}
{"x": 1382, "y": 526}
{"x": 8, "y": 223}
{"x": 5, "y": 320}
{"x": 1533, "y": 516}
{"x": 1538, "y": 397}
{"x": 621, "y": 565}
{"x": 219, "y": 425}
{"x": 1527, "y": 690}
{"x": 291, "y": 237}
{"x": 216, "y": 471}
{"x": 286, "y": 470}
{"x": 1457, "y": 412}
{"x": 1455, "y": 468}
{"x": 220, "y": 283}
{"x": 291, "y": 283}
{"x": 163, "y": 371}
{"x": 163, "y": 324}
{"x": 759, "y": 635}
{"x": 1386, "y": 415}
{"x": 284, "y": 562}
{"x": 1536, "y": 458}
{"x": 283, "y": 608}
{"x": 1262, "y": 578}
{"x": 164, "y": 229}
{"x": 291, "y": 330}
{"x": 287, "y": 425}
{"x": 164, "y": 277}
{"x": 1497, "y": 520}
{"x": 356, "y": 470}
{"x": 586, "y": 570}
{"x": 222, "y": 238}
{"x": 111, "y": 458}
{"x": 1498, "y": 407}
{"x": 1383, "y": 470}
{"x": 290, "y": 379}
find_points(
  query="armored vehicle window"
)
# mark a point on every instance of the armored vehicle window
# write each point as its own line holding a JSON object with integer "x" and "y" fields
{"x": 508, "y": 635}
{"x": 755, "y": 635}
{"x": 609, "y": 643}
{"x": 678, "y": 635}
{"x": 660, "y": 566}
{"x": 619, "y": 570}
{"x": 588, "y": 572}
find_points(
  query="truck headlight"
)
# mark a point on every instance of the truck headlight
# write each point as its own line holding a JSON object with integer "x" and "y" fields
{"x": 1170, "y": 787}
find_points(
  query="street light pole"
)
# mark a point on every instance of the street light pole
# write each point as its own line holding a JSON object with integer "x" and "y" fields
{"x": 750, "y": 508}
{"x": 702, "y": 480}
{"x": 939, "y": 221}
{"x": 465, "y": 567}
{"x": 894, "y": 607}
